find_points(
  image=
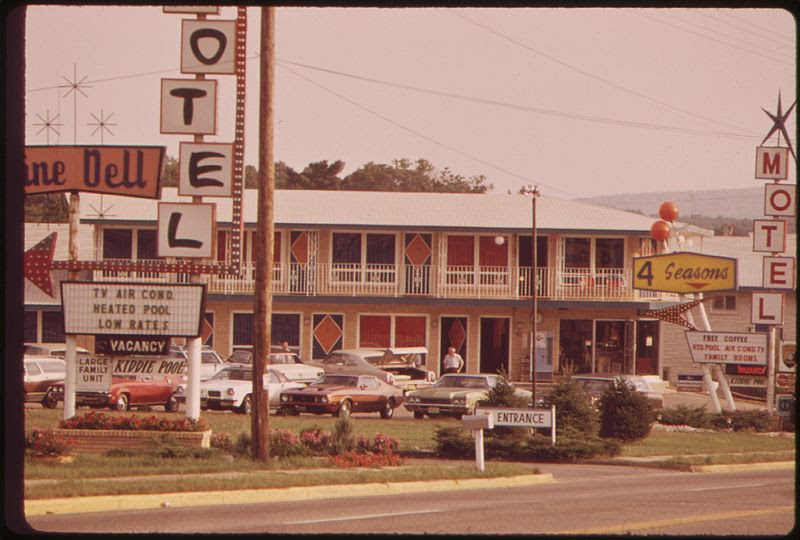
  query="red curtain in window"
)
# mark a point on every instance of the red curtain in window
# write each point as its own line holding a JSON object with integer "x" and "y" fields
{"x": 460, "y": 251}
{"x": 276, "y": 247}
{"x": 491, "y": 254}
{"x": 222, "y": 247}
{"x": 375, "y": 331}
{"x": 409, "y": 331}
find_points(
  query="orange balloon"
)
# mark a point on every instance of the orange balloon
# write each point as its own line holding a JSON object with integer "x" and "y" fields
{"x": 668, "y": 211}
{"x": 660, "y": 230}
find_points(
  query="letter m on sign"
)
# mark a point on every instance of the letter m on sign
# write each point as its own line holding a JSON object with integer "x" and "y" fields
{"x": 772, "y": 162}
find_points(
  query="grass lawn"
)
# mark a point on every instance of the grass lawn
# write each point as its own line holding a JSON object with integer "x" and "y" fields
{"x": 661, "y": 443}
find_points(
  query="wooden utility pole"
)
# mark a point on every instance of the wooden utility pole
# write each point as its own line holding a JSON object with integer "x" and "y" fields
{"x": 264, "y": 238}
{"x": 534, "y": 288}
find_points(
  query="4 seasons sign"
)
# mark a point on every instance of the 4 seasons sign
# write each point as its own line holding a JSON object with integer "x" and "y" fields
{"x": 727, "y": 347}
{"x": 92, "y": 308}
{"x": 684, "y": 272}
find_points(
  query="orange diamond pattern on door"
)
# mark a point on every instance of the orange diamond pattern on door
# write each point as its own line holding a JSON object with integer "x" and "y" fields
{"x": 453, "y": 334}
{"x": 418, "y": 255}
{"x": 328, "y": 333}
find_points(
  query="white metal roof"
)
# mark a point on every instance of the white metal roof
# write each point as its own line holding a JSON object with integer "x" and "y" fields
{"x": 749, "y": 262}
{"x": 327, "y": 209}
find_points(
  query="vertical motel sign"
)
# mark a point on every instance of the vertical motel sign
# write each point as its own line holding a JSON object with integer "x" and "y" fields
{"x": 189, "y": 106}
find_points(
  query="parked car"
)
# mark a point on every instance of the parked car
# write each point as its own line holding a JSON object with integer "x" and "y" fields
{"x": 40, "y": 373}
{"x": 211, "y": 363}
{"x": 288, "y": 363}
{"x": 232, "y": 389}
{"x": 51, "y": 349}
{"x": 454, "y": 394}
{"x": 594, "y": 384}
{"x": 399, "y": 366}
{"x": 125, "y": 393}
{"x": 341, "y": 395}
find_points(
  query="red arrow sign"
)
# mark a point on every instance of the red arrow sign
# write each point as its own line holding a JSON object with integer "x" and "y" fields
{"x": 39, "y": 262}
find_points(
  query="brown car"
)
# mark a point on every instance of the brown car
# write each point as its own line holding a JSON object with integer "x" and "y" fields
{"x": 340, "y": 395}
{"x": 125, "y": 392}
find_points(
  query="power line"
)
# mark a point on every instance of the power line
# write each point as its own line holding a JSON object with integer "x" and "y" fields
{"x": 790, "y": 40}
{"x": 591, "y": 75}
{"x": 527, "y": 108}
{"x": 770, "y": 37}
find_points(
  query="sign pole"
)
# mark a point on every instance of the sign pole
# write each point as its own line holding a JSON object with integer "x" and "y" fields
{"x": 707, "y": 380}
{"x": 723, "y": 381}
{"x": 553, "y": 429}
{"x": 479, "y": 462}
{"x": 771, "y": 370}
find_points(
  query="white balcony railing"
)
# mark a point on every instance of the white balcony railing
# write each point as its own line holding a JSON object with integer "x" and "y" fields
{"x": 498, "y": 282}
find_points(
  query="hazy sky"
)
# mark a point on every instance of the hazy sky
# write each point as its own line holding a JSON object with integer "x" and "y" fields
{"x": 582, "y": 102}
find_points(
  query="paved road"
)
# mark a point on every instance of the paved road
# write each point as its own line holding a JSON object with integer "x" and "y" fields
{"x": 585, "y": 499}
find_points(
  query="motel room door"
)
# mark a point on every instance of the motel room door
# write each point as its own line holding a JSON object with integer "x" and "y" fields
{"x": 494, "y": 344}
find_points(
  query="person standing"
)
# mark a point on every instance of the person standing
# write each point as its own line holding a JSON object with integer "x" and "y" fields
{"x": 453, "y": 363}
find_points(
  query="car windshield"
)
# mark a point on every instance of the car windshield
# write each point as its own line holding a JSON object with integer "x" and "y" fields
{"x": 240, "y": 357}
{"x": 208, "y": 357}
{"x": 339, "y": 359}
{"x": 458, "y": 381}
{"x": 338, "y": 380}
{"x": 233, "y": 375}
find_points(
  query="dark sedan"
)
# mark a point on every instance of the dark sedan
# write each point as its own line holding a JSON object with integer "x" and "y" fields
{"x": 341, "y": 395}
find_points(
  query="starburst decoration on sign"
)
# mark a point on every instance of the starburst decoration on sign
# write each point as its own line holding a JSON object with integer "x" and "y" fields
{"x": 101, "y": 124}
{"x": 779, "y": 125}
{"x": 48, "y": 124}
{"x": 75, "y": 87}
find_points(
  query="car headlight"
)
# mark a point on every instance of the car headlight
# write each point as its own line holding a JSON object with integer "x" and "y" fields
{"x": 460, "y": 401}
{"x": 323, "y": 399}
{"x": 413, "y": 399}
{"x": 390, "y": 379}
{"x": 179, "y": 390}
{"x": 284, "y": 397}
{"x": 231, "y": 391}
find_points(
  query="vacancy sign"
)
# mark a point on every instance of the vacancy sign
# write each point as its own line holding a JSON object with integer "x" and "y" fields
{"x": 92, "y": 308}
{"x": 727, "y": 347}
{"x": 767, "y": 308}
{"x": 769, "y": 235}
{"x": 205, "y": 169}
{"x": 186, "y": 229}
{"x": 772, "y": 163}
{"x": 779, "y": 200}
{"x": 778, "y": 273}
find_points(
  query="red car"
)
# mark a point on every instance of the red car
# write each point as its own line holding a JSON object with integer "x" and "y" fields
{"x": 126, "y": 392}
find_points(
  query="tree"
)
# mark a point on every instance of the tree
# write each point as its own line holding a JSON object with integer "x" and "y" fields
{"x": 169, "y": 178}
{"x": 46, "y": 208}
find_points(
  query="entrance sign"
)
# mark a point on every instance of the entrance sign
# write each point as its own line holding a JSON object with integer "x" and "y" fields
{"x": 173, "y": 309}
{"x": 186, "y": 229}
{"x": 205, "y": 169}
{"x": 188, "y": 106}
{"x": 772, "y": 162}
{"x": 779, "y": 200}
{"x": 94, "y": 373}
{"x": 767, "y": 308}
{"x": 208, "y": 46}
{"x": 684, "y": 272}
{"x": 727, "y": 347}
{"x": 769, "y": 235}
{"x": 532, "y": 418}
{"x": 125, "y": 345}
{"x": 119, "y": 170}
{"x": 778, "y": 273}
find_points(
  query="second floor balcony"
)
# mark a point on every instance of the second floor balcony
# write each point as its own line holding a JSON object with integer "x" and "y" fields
{"x": 398, "y": 281}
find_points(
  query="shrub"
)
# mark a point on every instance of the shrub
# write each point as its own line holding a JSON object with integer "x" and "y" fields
{"x": 369, "y": 459}
{"x": 574, "y": 411}
{"x": 749, "y": 420}
{"x": 342, "y": 439}
{"x": 45, "y": 443}
{"x": 164, "y": 446}
{"x": 684, "y": 415}
{"x": 316, "y": 439}
{"x": 283, "y": 443}
{"x": 571, "y": 448}
{"x": 625, "y": 413}
{"x": 222, "y": 441}
{"x": 99, "y": 420}
{"x": 243, "y": 445}
{"x": 453, "y": 442}
{"x": 503, "y": 394}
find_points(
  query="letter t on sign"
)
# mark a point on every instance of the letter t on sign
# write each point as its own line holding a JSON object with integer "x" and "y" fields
{"x": 186, "y": 230}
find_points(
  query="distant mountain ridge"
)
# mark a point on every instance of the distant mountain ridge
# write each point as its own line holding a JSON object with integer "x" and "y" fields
{"x": 744, "y": 203}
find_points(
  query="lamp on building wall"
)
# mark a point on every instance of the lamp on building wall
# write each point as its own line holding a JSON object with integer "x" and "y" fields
{"x": 499, "y": 240}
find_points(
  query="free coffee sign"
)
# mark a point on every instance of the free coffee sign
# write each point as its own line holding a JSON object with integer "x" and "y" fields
{"x": 119, "y": 170}
{"x": 173, "y": 309}
{"x": 728, "y": 347}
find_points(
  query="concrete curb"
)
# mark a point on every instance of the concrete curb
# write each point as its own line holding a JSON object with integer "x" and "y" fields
{"x": 71, "y": 505}
{"x": 734, "y": 467}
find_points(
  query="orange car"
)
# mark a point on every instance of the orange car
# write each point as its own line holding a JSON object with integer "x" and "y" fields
{"x": 125, "y": 392}
{"x": 341, "y": 395}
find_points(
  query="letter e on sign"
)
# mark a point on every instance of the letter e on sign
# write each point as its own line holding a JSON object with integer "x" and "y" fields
{"x": 767, "y": 308}
{"x": 769, "y": 235}
{"x": 772, "y": 163}
{"x": 779, "y": 200}
{"x": 186, "y": 229}
{"x": 208, "y": 46}
{"x": 205, "y": 170}
{"x": 778, "y": 273}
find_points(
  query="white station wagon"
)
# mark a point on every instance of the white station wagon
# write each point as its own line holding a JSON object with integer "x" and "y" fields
{"x": 232, "y": 389}
{"x": 286, "y": 362}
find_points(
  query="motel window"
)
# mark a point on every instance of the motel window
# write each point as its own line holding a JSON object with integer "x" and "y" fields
{"x": 392, "y": 331}
{"x": 146, "y": 244}
{"x": 609, "y": 253}
{"x": 725, "y": 302}
{"x": 31, "y": 327}
{"x": 346, "y": 248}
{"x": 53, "y": 327}
{"x": 242, "y": 330}
{"x": 117, "y": 244}
{"x": 285, "y": 327}
{"x": 577, "y": 252}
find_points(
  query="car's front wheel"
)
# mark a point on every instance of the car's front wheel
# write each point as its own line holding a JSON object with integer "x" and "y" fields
{"x": 418, "y": 414}
{"x": 122, "y": 404}
{"x": 172, "y": 404}
{"x": 388, "y": 409}
{"x": 247, "y": 405}
{"x": 49, "y": 401}
{"x": 344, "y": 409}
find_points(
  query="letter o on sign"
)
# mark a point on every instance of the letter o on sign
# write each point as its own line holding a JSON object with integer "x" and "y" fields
{"x": 779, "y": 200}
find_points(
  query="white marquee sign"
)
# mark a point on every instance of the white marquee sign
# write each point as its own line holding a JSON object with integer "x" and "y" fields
{"x": 727, "y": 347}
